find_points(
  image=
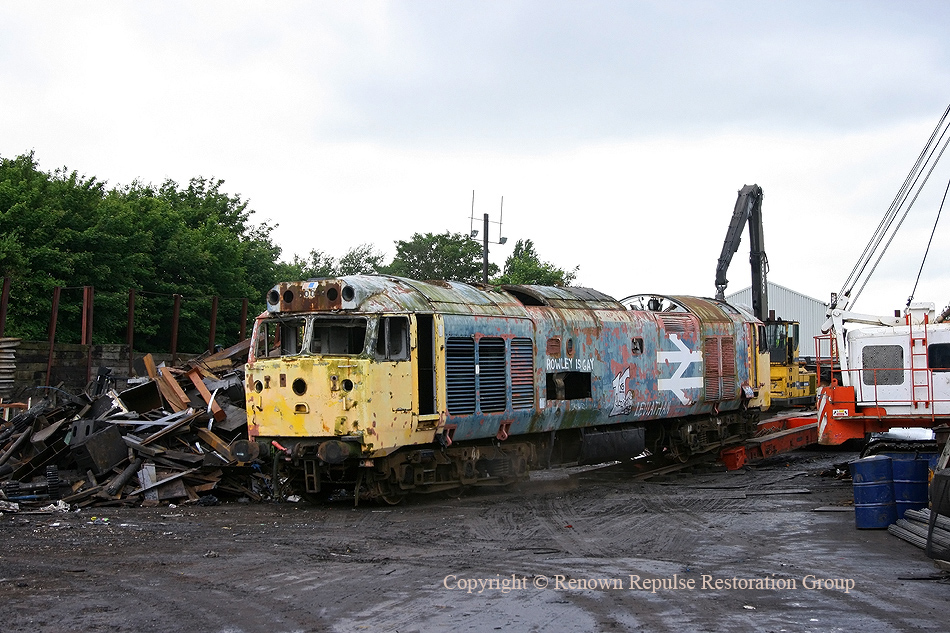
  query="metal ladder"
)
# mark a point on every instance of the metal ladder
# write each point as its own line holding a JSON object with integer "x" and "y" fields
{"x": 919, "y": 366}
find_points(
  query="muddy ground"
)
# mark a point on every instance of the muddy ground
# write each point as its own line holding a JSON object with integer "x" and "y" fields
{"x": 420, "y": 566}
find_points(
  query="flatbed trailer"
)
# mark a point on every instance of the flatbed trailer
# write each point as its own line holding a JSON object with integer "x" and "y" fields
{"x": 778, "y": 434}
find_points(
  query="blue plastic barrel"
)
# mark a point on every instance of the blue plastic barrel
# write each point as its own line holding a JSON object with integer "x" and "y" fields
{"x": 910, "y": 484}
{"x": 874, "y": 506}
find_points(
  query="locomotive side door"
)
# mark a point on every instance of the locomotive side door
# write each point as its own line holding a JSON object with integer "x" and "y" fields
{"x": 427, "y": 348}
{"x": 392, "y": 353}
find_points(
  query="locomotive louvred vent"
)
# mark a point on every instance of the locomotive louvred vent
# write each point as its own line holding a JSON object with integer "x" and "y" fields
{"x": 712, "y": 379}
{"x": 522, "y": 373}
{"x": 491, "y": 375}
{"x": 672, "y": 323}
{"x": 460, "y": 375}
{"x": 719, "y": 361}
{"x": 728, "y": 366}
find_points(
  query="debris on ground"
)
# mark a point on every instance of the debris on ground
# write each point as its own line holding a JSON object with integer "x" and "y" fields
{"x": 173, "y": 437}
{"x": 918, "y": 527}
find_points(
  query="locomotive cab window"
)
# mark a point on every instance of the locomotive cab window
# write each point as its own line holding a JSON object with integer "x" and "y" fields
{"x": 345, "y": 337}
{"x": 280, "y": 338}
{"x": 392, "y": 338}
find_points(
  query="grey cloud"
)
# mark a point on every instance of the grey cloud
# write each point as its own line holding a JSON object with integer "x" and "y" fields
{"x": 539, "y": 72}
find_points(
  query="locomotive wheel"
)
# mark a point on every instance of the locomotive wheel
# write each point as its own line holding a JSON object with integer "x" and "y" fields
{"x": 388, "y": 494}
{"x": 392, "y": 500}
{"x": 678, "y": 453}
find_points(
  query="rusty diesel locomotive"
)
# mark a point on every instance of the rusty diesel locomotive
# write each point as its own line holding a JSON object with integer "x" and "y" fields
{"x": 384, "y": 386}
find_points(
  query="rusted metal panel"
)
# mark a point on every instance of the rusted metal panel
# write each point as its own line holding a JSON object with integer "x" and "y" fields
{"x": 708, "y": 310}
{"x": 366, "y": 293}
{"x": 571, "y": 297}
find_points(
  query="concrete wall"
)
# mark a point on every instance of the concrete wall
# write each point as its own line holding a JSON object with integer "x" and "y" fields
{"x": 70, "y": 362}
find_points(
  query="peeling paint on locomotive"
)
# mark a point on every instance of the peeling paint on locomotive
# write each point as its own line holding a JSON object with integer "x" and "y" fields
{"x": 388, "y": 364}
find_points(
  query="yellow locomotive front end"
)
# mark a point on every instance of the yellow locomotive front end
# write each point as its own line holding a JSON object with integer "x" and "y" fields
{"x": 331, "y": 388}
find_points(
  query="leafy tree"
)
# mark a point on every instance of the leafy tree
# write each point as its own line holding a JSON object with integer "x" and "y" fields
{"x": 317, "y": 264}
{"x": 361, "y": 260}
{"x": 524, "y": 266}
{"x": 447, "y": 255}
{"x": 63, "y": 229}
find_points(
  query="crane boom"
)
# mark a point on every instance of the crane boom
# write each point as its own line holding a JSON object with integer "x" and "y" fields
{"x": 748, "y": 210}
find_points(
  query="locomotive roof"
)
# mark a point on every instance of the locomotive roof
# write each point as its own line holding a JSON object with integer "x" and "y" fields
{"x": 376, "y": 293}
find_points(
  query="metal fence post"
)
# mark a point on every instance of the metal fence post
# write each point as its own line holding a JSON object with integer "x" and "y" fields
{"x": 214, "y": 323}
{"x": 54, "y": 313}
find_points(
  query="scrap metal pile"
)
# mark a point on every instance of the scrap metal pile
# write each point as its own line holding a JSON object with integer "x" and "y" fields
{"x": 178, "y": 436}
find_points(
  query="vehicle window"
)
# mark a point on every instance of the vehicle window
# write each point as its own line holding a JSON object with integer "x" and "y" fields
{"x": 938, "y": 357}
{"x": 392, "y": 339}
{"x": 280, "y": 337}
{"x": 883, "y": 365}
{"x": 338, "y": 336}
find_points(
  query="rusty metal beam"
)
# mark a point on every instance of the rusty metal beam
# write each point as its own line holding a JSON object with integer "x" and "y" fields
{"x": 54, "y": 314}
{"x": 782, "y": 441}
{"x": 485, "y": 249}
{"x": 214, "y": 323}
{"x": 87, "y": 311}
{"x": 130, "y": 329}
{"x": 176, "y": 313}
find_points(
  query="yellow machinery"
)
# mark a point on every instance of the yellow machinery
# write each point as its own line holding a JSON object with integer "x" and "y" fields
{"x": 792, "y": 385}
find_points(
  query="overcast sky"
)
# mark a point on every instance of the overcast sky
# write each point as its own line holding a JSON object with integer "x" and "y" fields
{"x": 617, "y": 132}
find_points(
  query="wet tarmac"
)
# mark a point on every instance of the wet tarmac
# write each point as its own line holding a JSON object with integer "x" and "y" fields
{"x": 771, "y": 547}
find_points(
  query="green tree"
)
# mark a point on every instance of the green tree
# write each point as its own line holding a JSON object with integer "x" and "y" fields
{"x": 318, "y": 264}
{"x": 361, "y": 260}
{"x": 524, "y": 267}
{"x": 452, "y": 256}
{"x": 63, "y": 229}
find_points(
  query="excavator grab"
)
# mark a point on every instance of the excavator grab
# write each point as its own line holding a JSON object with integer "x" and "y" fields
{"x": 791, "y": 385}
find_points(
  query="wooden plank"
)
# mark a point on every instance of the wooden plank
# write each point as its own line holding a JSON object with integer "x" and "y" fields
{"x": 236, "y": 350}
{"x": 215, "y": 442}
{"x": 168, "y": 396}
{"x": 780, "y": 491}
{"x": 150, "y": 367}
{"x": 177, "y": 398}
{"x": 216, "y": 411}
